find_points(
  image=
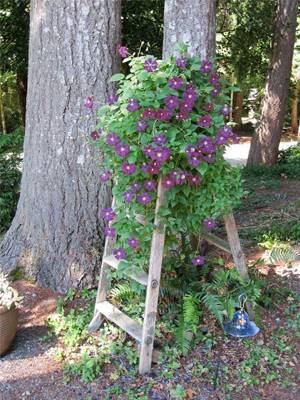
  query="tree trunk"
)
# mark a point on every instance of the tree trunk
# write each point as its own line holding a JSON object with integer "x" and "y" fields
{"x": 2, "y": 112}
{"x": 22, "y": 90}
{"x": 294, "y": 109}
{"x": 237, "y": 109}
{"x": 191, "y": 22}
{"x": 56, "y": 235}
{"x": 265, "y": 143}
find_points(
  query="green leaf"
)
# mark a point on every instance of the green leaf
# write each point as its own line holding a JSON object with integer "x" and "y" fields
{"x": 116, "y": 77}
{"x": 202, "y": 168}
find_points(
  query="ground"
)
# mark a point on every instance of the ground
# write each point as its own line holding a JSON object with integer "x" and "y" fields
{"x": 217, "y": 368}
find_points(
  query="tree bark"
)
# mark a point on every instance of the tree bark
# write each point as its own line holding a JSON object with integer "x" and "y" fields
{"x": 2, "y": 113}
{"x": 294, "y": 109}
{"x": 237, "y": 108}
{"x": 265, "y": 143}
{"x": 22, "y": 90}
{"x": 191, "y": 22}
{"x": 56, "y": 235}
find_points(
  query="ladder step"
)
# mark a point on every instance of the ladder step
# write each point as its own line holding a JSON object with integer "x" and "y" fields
{"x": 133, "y": 273}
{"x": 122, "y": 320}
{"x": 213, "y": 239}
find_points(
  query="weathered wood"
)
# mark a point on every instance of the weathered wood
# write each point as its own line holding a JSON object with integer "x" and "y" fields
{"x": 131, "y": 271}
{"x": 235, "y": 246}
{"x": 116, "y": 316}
{"x": 156, "y": 257}
{"x": 215, "y": 240}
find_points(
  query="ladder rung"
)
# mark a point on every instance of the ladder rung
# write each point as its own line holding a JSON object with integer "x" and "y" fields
{"x": 139, "y": 276}
{"x": 221, "y": 243}
{"x": 116, "y": 316}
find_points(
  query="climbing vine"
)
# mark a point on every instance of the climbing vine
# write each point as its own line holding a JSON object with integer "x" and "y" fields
{"x": 168, "y": 120}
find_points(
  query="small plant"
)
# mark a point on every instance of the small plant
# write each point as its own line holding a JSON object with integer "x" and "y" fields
{"x": 8, "y": 296}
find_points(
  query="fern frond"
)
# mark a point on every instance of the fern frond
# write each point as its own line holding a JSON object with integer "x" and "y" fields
{"x": 284, "y": 254}
{"x": 122, "y": 291}
{"x": 214, "y": 305}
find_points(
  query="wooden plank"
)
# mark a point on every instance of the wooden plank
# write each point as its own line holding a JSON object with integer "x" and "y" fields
{"x": 235, "y": 246}
{"x": 215, "y": 240}
{"x": 120, "y": 319}
{"x": 156, "y": 257}
{"x": 132, "y": 272}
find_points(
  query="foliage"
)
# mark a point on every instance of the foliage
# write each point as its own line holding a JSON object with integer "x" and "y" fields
{"x": 203, "y": 184}
{"x": 8, "y": 296}
{"x": 88, "y": 368}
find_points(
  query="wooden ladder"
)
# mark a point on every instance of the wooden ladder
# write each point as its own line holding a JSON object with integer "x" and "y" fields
{"x": 144, "y": 333}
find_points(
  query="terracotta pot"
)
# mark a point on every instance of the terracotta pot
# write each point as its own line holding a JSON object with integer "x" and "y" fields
{"x": 8, "y": 327}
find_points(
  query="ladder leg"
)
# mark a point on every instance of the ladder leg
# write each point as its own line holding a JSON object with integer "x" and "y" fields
{"x": 156, "y": 257}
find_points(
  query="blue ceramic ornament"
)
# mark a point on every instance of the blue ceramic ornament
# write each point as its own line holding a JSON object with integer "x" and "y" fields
{"x": 240, "y": 325}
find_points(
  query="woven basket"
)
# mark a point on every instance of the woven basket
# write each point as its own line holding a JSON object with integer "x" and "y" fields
{"x": 8, "y": 327}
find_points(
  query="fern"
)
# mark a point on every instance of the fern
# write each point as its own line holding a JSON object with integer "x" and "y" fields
{"x": 122, "y": 291}
{"x": 285, "y": 254}
{"x": 213, "y": 304}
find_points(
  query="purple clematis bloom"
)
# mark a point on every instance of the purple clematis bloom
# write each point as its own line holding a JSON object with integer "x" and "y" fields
{"x": 181, "y": 62}
{"x": 198, "y": 260}
{"x": 150, "y": 65}
{"x": 110, "y": 232}
{"x": 128, "y": 197}
{"x": 105, "y": 176}
{"x": 108, "y": 214}
{"x": 206, "y": 67}
{"x": 191, "y": 151}
{"x": 194, "y": 180}
{"x": 147, "y": 150}
{"x": 149, "y": 113}
{"x": 225, "y": 110}
{"x": 133, "y": 105}
{"x": 112, "y": 139}
{"x": 225, "y": 131}
{"x": 154, "y": 167}
{"x": 160, "y": 139}
{"x": 175, "y": 82}
{"x": 221, "y": 139}
{"x": 190, "y": 96}
{"x": 112, "y": 99}
{"x": 209, "y": 158}
{"x": 122, "y": 149}
{"x": 209, "y": 223}
{"x": 235, "y": 138}
{"x": 88, "y": 102}
{"x": 171, "y": 102}
{"x": 168, "y": 182}
{"x": 144, "y": 198}
{"x": 141, "y": 125}
{"x": 214, "y": 79}
{"x": 161, "y": 154}
{"x": 182, "y": 116}
{"x": 186, "y": 106}
{"x": 150, "y": 185}
{"x": 120, "y": 254}
{"x": 163, "y": 114}
{"x": 128, "y": 169}
{"x": 194, "y": 162}
{"x": 208, "y": 107}
{"x": 206, "y": 145}
{"x": 205, "y": 121}
{"x": 133, "y": 243}
{"x": 94, "y": 135}
{"x": 135, "y": 187}
{"x": 123, "y": 51}
{"x": 215, "y": 92}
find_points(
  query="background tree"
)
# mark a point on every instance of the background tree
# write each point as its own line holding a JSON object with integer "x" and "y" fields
{"x": 56, "y": 235}
{"x": 265, "y": 143}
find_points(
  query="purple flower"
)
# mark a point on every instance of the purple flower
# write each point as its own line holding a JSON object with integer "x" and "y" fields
{"x": 144, "y": 198}
{"x": 128, "y": 169}
{"x": 168, "y": 182}
{"x": 122, "y": 149}
{"x": 194, "y": 162}
{"x": 182, "y": 178}
{"x": 120, "y": 254}
{"x": 108, "y": 214}
{"x": 160, "y": 154}
{"x": 171, "y": 102}
{"x": 94, "y": 135}
{"x": 209, "y": 158}
{"x": 209, "y": 223}
{"x": 214, "y": 79}
{"x": 181, "y": 62}
{"x": 112, "y": 99}
{"x": 112, "y": 139}
{"x": 175, "y": 82}
{"x": 160, "y": 139}
{"x": 150, "y": 65}
{"x": 154, "y": 167}
{"x": 133, "y": 105}
{"x": 206, "y": 67}
{"x": 206, "y": 145}
{"x": 235, "y": 138}
{"x": 141, "y": 125}
{"x": 110, "y": 232}
{"x": 215, "y": 92}
{"x": 135, "y": 187}
{"x": 128, "y": 197}
{"x": 190, "y": 96}
{"x": 147, "y": 150}
{"x": 133, "y": 243}
{"x": 182, "y": 116}
{"x": 208, "y": 107}
{"x": 150, "y": 185}
{"x": 88, "y": 102}
{"x": 163, "y": 114}
{"x": 149, "y": 113}
{"x": 191, "y": 151}
{"x": 221, "y": 139}
{"x": 205, "y": 121}
{"x": 198, "y": 260}
{"x": 186, "y": 106}
{"x": 225, "y": 110}
{"x": 123, "y": 51}
{"x": 105, "y": 176}
{"x": 194, "y": 180}
{"x": 225, "y": 131}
